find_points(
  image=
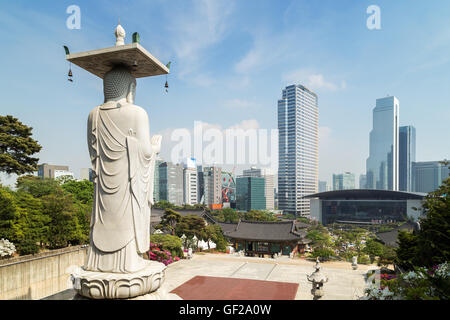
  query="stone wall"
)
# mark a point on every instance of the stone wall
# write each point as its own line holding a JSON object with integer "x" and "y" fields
{"x": 41, "y": 275}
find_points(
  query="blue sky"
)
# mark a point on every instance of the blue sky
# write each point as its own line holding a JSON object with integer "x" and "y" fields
{"x": 230, "y": 61}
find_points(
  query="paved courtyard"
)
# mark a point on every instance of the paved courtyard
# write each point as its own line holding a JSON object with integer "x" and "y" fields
{"x": 344, "y": 283}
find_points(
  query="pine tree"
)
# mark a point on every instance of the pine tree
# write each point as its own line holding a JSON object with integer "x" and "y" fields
{"x": 17, "y": 146}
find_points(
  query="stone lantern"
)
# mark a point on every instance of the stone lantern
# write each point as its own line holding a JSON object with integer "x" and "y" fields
{"x": 317, "y": 278}
{"x": 355, "y": 262}
{"x": 183, "y": 239}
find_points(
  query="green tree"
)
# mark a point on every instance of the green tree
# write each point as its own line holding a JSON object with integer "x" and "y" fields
{"x": 214, "y": 233}
{"x": 36, "y": 186}
{"x": 64, "y": 228}
{"x": 8, "y": 212}
{"x": 374, "y": 249}
{"x": 259, "y": 215}
{"x": 191, "y": 225}
{"x": 17, "y": 146}
{"x": 431, "y": 244}
{"x": 169, "y": 220}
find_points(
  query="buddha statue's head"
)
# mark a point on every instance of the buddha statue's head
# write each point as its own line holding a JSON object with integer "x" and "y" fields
{"x": 118, "y": 83}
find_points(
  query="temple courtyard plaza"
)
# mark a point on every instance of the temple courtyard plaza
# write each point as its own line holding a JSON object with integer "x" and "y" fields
{"x": 344, "y": 283}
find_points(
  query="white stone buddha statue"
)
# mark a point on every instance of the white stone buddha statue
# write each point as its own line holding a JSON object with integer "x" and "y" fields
{"x": 123, "y": 160}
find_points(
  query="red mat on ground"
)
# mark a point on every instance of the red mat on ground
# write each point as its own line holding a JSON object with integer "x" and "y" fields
{"x": 218, "y": 288}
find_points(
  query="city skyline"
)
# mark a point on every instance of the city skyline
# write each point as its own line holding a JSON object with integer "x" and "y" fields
{"x": 228, "y": 52}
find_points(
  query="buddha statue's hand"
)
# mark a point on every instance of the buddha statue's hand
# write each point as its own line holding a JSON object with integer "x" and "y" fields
{"x": 156, "y": 143}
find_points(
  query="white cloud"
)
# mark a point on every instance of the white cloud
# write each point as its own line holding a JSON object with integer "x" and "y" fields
{"x": 315, "y": 81}
{"x": 194, "y": 30}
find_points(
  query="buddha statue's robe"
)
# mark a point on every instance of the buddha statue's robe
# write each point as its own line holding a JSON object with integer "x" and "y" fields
{"x": 123, "y": 161}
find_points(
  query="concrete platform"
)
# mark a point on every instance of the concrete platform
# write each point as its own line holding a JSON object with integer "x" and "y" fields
{"x": 344, "y": 283}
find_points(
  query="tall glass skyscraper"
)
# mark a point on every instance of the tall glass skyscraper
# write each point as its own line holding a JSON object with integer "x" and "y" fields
{"x": 382, "y": 164}
{"x": 407, "y": 155}
{"x": 298, "y": 142}
{"x": 343, "y": 181}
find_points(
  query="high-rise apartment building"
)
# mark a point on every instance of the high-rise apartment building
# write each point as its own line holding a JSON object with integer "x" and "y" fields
{"x": 190, "y": 183}
{"x": 298, "y": 140}
{"x": 250, "y": 193}
{"x": 407, "y": 155}
{"x": 46, "y": 170}
{"x": 268, "y": 176}
{"x": 382, "y": 163}
{"x": 343, "y": 181}
{"x": 428, "y": 176}
{"x": 212, "y": 179}
{"x": 171, "y": 182}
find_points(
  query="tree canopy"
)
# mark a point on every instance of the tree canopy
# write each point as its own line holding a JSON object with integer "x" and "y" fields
{"x": 17, "y": 147}
{"x": 429, "y": 246}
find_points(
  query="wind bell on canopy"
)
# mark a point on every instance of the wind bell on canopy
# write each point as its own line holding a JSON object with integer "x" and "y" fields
{"x": 166, "y": 85}
{"x": 70, "y": 65}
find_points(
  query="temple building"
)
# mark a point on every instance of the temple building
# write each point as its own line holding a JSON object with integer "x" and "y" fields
{"x": 262, "y": 238}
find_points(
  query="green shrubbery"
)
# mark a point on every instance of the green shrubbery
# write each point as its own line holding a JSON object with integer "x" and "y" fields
{"x": 168, "y": 242}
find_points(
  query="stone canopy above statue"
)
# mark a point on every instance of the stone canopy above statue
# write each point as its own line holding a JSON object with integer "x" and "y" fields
{"x": 133, "y": 55}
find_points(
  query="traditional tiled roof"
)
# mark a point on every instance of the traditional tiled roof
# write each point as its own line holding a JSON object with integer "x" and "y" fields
{"x": 227, "y": 227}
{"x": 390, "y": 238}
{"x": 264, "y": 231}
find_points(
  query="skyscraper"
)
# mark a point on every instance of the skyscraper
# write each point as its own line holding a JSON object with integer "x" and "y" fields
{"x": 190, "y": 182}
{"x": 343, "y": 181}
{"x": 406, "y": 155}
{"x": 212, "y": 179}
{"x": 362, "y": 181}
{"x": 298, "y": 140}
{"x": 428, "y": 176}
{"x": 322, "y": 186}
{"x": 269, "y": 184}
{"x": 250, "y": 192}
{"x": 171, "y": 182}
{"x": 156, "y": 193}
{"x": 382, "y": 163}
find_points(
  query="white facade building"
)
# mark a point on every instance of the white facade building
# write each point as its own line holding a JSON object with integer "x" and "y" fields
{"x": 190, "y": 185}
{"x": 298, "y": 149}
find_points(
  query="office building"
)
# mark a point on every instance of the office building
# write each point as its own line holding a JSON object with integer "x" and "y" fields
{"x": 382, "y": 163}
{"x": 268, "y": 176}
{"x": 343, "y": 181}
{"x": 212, "y": 179}
{"x": 46, "y": 170}
{"x": 406, "y": 156}
{"x": 63, "y": 173}
{"x": 428, "y": 176}
{"x": 322, "y": 186}
{"x": 200, "y": 185}
{"x": 87, "y": 174}
{"x": 362, "y": 181}
{"x": 156, "y": 192}
{"x": 190, "y": 183}
{"x": 250, "y": 193}
{"x": 298, "y": 140}
{"x": 171, "y": 183}
{"x": 228, "y": 189}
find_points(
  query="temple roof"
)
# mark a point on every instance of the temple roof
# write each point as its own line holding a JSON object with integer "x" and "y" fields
{"x": 264, "y": 231}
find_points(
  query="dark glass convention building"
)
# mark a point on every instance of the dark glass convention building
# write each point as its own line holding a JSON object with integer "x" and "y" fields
{"x": 365, "y": 206}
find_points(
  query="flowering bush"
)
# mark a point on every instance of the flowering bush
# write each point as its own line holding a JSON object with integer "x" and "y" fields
{"x": 7, "y": 248}
{"x": 420, "y": 284}
{"x": 157, "y": 253}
